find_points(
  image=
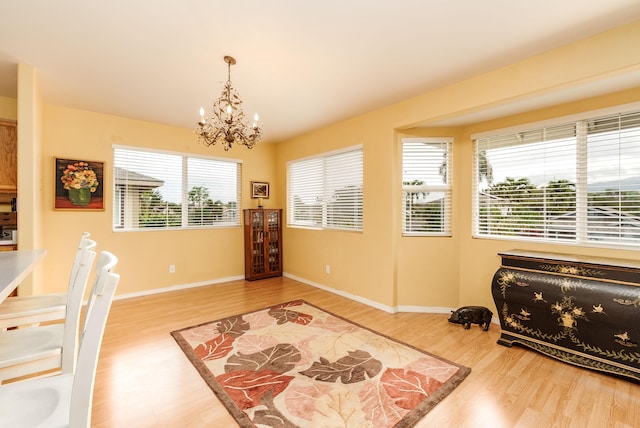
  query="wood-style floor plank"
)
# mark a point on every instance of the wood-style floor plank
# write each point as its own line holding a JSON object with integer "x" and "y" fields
{"x": 145, "y": 380}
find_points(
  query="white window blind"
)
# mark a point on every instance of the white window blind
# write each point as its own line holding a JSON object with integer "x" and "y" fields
{"x": 613, "y": 180}
{"x": 326, "y": 191}
{"x": 575, "y": 182}
{"x": 426, "y": 193}
{"x": 155, "y": 189}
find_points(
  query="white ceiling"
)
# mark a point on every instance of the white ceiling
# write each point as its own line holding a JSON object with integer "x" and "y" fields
{"x": 301, "y": 64}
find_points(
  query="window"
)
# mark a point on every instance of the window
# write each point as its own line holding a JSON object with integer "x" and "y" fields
{"x": 151, "y": 188}
{"x": 426, "y": 193}
{"x": 326, "y": 191}
{"x": 573, "y": 182}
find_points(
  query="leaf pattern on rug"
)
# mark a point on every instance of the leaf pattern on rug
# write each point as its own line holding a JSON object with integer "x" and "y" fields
{"x": 284, "y": 315}
{"x": 201, "y": 333}
{"x": 280, "y": 359}
{"x": 247, "y": 387}
{"x": 295, "y": 365}
{"x": 335, "y": 324}
{"x": 303, "y": 398}
{"x": 216, "y": 348}
{"x": 250, "y": 343}
{"x": 431, "y": 367}
{"x": 270, "y": 416}
{"x": 350, "y": 369}
{"x": 379, "y": 407}
{"x": 289, "y": 304}
{"x": 259, "y": 320}
{"x": 234, "y": 326}
{"x": 339, "y": 408}
{"x": 307, "y": 353}
{"x": 408, "y": 388}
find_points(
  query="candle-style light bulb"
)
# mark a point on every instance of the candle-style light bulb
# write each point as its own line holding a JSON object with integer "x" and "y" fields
{"x": 229, "y": 109}
{"x": 255, "y": 121}
{"x": 202, "y": 115}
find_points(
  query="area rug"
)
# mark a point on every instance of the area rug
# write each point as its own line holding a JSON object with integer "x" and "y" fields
{"x": 296, "y": 365}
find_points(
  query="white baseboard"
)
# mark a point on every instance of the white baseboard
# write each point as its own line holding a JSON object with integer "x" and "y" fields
{"x": 386, "y": 308}
{"x": 360, "y": 299}
{"x": 425, "y": 309}
{"x": 178, "y": 287}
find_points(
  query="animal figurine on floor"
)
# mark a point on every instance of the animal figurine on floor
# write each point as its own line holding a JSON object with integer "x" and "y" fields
{"x": 467, "y": 315}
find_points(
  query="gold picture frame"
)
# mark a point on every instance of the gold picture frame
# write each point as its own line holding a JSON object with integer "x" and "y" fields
{"x": 259, "y": 190}
{"x": 78, "y": 185}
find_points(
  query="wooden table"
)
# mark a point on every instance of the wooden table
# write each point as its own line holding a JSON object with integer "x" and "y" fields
{"x": 14, "y": 268}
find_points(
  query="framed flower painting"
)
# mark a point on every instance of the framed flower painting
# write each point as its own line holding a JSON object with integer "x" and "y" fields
{"x": 79, "y": 185}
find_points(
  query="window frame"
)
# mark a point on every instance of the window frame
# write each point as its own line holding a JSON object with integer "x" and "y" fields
{"x": 117, "y": 223}
{"x": 445, "y": 188}
{"x": 584, "y": 231}
{"x": 298, "y": 219}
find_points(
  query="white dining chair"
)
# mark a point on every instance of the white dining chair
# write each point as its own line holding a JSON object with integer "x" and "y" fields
{"x": 29, "y": 310}
{"x": 65, "y": 400}
{"x": 31, "y": 350}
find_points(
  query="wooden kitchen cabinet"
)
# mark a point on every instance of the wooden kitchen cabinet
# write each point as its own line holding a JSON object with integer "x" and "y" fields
{"x": 262, "y": 243}
{"x": 8, "y": 156}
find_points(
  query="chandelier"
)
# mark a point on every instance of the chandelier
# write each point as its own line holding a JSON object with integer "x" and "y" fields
{"x": 227, "y": 125}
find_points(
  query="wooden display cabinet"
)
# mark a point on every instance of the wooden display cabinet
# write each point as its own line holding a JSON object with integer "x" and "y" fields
{"x": 262, "y": 243}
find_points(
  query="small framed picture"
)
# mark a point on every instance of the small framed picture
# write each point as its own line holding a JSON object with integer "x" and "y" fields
{"x": 259, "y": 189}
{"x": 78, "y": 185}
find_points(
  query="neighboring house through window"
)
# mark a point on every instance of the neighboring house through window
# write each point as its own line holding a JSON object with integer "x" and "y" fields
{"x": 325, "y": 191}
{"x": 129, "y": 188}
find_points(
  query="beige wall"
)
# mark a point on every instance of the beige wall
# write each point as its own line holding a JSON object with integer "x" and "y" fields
{"x": 435, "y": 272}
{"x": 359, "y": 261}
{"x": 145, "y": 256}
{"x": 8, "y": 108}
{"x": 378, "y": 265}
{"x": 479, "y": 259}
{"x": 29, "y": 117}
{"x": 421, "y": 282}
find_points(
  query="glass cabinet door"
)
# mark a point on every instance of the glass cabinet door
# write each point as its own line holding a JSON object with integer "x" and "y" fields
{"x": 273, "y": 231}
{"x": 257, "y": 228}
{"x": 263, "y": 246}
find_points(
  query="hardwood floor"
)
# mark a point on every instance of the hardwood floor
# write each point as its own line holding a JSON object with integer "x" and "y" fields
{"x": 145, "y": 380}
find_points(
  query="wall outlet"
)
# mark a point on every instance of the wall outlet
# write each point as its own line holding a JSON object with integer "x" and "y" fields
{"x": 172, "y": 268}
{"x": 327, "y": 269}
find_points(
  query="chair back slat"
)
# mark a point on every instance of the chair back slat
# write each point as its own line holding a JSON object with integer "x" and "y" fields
{"x": 77, "y": 287}
{"x": 97, "y": 312}
{"x": 83, "y": 243}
